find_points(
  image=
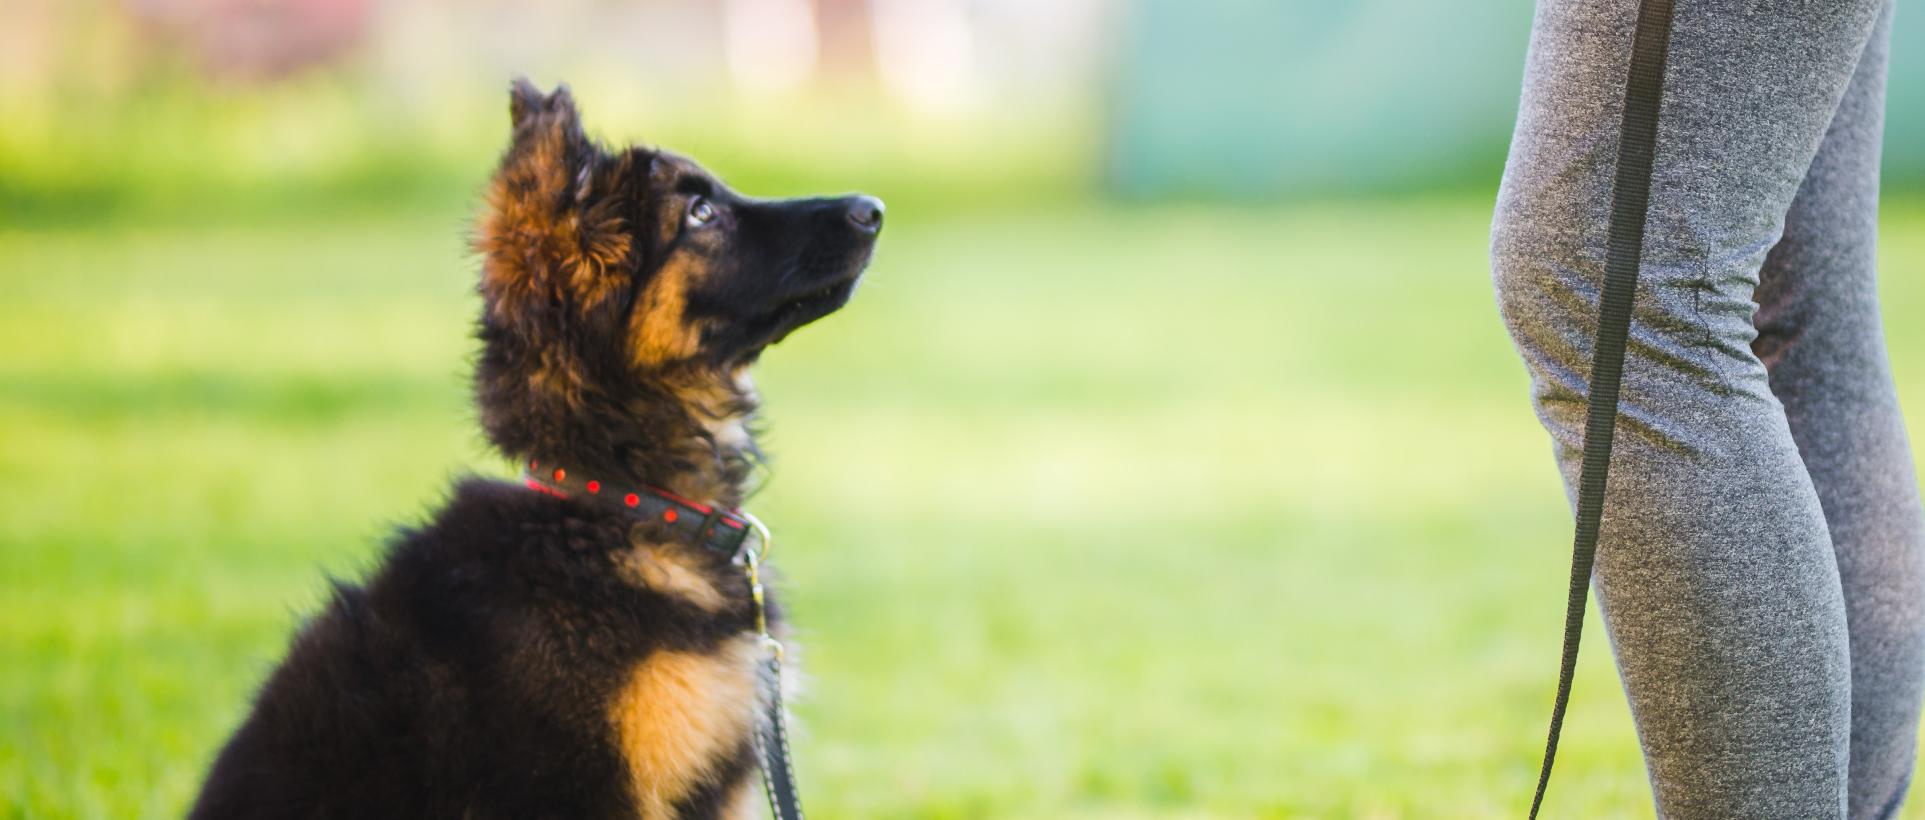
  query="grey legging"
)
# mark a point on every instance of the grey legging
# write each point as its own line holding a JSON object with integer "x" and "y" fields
{"x": 1760, "y": 567}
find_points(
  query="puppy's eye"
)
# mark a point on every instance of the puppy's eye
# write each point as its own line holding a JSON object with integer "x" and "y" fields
{"x": 700, "y": 212}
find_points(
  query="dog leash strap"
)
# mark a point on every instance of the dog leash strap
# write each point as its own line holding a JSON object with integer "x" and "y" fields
{"x": 1630, "y": 201}
{"x": 772, "y": 749}
{"x": 772, "y": 736}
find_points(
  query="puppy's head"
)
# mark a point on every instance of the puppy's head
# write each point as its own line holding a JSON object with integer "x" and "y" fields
{"x": 601, "y": 266}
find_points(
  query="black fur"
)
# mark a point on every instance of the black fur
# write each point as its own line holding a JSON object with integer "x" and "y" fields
{"x": 469, "y": 677}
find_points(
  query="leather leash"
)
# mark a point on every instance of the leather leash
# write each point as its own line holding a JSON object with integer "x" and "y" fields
{"x": 1630, "y": 202}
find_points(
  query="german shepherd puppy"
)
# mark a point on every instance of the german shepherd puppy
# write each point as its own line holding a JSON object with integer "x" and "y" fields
{"x": 579, "y": 645}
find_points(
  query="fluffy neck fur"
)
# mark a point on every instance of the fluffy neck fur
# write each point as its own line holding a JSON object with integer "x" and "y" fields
{"x": 684, "y": 429}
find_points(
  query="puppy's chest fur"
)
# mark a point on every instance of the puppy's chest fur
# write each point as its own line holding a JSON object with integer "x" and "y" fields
{"x": 682, "y": 718}
{"x": 679, "y": 717}
{"x": 682, "y": 713}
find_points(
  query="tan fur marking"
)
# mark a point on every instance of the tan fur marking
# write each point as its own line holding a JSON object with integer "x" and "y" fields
{"x": 741, "y": 805}
{"x": 658, "y": 331}
{"x": 722, "y": 405}
{"x": 679, "y": 714}
{"x": 670, "y": 572}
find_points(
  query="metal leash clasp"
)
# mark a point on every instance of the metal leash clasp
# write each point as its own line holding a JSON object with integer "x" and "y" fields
{"x": 751, "y": 561}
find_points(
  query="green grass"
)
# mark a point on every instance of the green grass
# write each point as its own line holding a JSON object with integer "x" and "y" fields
{"x": 1175, "y": 512}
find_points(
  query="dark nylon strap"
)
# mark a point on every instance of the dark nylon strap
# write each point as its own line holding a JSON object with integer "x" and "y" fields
{"x": 1630, "y": 200}
{"x": 772, "y": 746}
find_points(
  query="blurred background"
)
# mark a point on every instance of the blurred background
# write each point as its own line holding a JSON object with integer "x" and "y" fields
{"x": 1171, "y": 463}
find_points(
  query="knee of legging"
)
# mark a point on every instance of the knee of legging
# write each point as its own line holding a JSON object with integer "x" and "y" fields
{"x": 1549, "y": 288}
{"x": 1542, "y": 290}
{"x": 1683, "y": 364}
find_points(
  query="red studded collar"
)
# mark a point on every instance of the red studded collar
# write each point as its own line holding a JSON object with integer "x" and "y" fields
{"x": 716, "y": 529}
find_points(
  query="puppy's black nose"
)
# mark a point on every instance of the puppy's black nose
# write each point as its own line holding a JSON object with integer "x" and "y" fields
{"x": 865, "y": 212}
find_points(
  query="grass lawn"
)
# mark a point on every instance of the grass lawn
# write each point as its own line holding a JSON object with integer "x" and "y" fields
{"x": 1175, "y": 512}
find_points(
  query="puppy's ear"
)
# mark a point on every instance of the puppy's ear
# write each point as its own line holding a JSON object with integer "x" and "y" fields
{"x": 533, "y": 114}
{"x": 543, "y": 238}
{"x": 524, "y": 101}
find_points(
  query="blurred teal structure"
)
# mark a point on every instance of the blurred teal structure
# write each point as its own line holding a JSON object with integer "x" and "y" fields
{"x": 1254, "y": 99}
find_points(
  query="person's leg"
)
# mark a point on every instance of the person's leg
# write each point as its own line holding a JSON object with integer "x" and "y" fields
{"x": 1821, "y": 340}
{"x": 1715, "y": 570}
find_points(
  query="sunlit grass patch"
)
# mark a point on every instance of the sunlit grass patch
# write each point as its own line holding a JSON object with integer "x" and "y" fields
{"x": 1167, "y": 512}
